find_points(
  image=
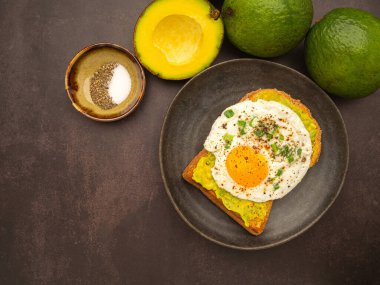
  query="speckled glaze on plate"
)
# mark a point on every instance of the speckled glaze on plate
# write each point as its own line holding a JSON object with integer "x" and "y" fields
{"x": 189, "y": 120}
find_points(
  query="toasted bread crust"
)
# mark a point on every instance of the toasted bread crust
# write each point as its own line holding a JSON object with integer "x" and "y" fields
{"x": 188, "y": 176}
{"x": 252, "y": 228}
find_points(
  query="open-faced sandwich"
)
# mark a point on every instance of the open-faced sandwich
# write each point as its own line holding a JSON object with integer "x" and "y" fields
{"x": 257, "y": 151}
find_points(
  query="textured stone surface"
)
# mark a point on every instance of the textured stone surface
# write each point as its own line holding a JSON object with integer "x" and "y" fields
{"x": 83, "y": 202}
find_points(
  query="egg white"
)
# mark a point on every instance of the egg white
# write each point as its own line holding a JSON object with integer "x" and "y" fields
{"x": 290, "y": 127}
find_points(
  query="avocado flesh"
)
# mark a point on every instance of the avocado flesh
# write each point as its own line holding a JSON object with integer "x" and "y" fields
{"x": 176, "y": 39}
{"x": 247, "y": 210}
{"x": 342, "y": 53}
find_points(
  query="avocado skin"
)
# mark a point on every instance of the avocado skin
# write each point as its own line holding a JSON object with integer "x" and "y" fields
{"x": 266, "y": 28}
{"x": 342, "y": 53}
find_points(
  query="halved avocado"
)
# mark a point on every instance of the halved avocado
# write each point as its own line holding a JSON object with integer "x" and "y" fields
{"x": 176, "y": 39}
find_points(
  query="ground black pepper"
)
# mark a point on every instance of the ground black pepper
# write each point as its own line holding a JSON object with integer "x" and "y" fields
{"x": 99, "y": 86}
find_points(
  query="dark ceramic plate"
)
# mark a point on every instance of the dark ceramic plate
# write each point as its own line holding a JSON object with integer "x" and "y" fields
{"x": 189, "y": 121}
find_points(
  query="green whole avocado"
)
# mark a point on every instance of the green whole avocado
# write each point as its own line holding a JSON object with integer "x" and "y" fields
{"x": 267, "y": 28}
{"x": 342, "y": 53}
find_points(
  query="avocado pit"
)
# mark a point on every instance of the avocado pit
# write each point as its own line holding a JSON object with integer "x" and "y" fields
{"x": 178, "y": 37}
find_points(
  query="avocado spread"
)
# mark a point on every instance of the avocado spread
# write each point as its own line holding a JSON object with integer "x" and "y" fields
{"x": 248, "y": 210}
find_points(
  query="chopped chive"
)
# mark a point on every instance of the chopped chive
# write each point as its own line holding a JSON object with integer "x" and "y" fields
{"x": 269, "y": 136}
{"x": 290, "y": 158}
{"x": 228, "y": 139}
{"x": 229, "y": 113}
{"x": 242, "y": 125}
{"x": 274, "y": 147}
{"x": 281, "y": 137}
{"x": 276, "y": 186}
{"x": 285, "y": 151}
{"x": 259, "y": 133}
{"x": 251, "y": 121}
{"x": 279, "y": 172}
{"x": 299, "y": 151}
{"x": 275, "y": 129}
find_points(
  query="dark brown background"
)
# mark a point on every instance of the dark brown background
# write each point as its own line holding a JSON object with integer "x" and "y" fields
{"x": 83, "y": 202}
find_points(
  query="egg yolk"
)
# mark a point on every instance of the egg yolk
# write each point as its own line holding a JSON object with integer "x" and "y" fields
{"x": 247, "y": 166}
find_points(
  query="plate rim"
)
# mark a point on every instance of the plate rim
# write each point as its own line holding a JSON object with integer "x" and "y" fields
{"x": 167, "y": 189}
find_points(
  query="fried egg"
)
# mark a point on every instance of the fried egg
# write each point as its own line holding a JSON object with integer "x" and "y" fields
{"x": 262, "y": 150}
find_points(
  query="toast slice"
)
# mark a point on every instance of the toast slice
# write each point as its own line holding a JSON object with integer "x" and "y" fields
{"x": 256, "y": 226}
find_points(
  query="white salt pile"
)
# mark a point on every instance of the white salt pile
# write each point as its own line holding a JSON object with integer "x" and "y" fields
{"x": 120, "y": 84}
